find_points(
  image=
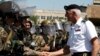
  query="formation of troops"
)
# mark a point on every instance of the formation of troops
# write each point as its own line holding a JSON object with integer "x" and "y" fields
{"x": 19, "y": 37}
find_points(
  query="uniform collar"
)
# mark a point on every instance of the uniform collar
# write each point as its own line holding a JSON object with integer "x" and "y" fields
{"x": 79, "y": 21}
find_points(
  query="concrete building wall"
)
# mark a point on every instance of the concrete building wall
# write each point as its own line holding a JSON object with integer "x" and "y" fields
{"x": 96, "y": 2}
{"x": 50, "y": 14}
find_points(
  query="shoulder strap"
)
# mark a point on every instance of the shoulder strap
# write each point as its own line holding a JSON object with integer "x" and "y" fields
{"x": 84, "y": 22}
{"x": 9, "y": 37}
{"x": 7, "y": 40}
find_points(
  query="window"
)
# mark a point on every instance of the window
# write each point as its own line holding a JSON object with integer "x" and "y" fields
{"x": 42, "y": 17}
{"x": 49, "y": 17}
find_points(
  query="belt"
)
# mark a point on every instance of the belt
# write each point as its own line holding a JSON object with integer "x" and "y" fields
{"x": 82, "y": 54}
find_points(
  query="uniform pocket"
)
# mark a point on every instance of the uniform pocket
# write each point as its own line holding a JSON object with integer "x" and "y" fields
{"x": 79, "y": 35}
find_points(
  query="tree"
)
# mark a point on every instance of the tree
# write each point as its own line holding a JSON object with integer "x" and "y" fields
{"x": 34, "y": 19}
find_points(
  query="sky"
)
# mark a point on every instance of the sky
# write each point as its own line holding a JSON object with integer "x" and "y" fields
{"x": 52, "y": 4}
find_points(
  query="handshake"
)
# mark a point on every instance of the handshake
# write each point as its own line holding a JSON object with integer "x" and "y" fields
{"x": 30, "y": 52}
{"x": 45, "y": 54}
{"x": 37, "y": 53}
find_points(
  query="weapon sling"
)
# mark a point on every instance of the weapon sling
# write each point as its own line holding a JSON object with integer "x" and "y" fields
{"x": 7, "y": 39}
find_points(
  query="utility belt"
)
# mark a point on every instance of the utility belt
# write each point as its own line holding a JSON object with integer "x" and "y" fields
{"x": 82, "y": 54}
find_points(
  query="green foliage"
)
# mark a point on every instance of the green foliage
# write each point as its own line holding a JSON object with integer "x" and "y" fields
{"x": 34, "y": 19}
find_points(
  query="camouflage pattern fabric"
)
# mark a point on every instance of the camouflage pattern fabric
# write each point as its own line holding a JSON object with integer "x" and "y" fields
{"x": 3, "y": 36}
{"x": 41, "y": 41}
{"x": 38, "y": 42}
{"x": 61, "y": 39}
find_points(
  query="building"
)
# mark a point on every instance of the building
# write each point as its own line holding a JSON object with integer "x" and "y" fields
{"x": 93, "y": 13}
{"x": 96, "y": 2}
{"x": 51, "y": 14}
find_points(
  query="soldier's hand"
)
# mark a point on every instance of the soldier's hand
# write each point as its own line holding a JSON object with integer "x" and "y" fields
{"x": 28, "y": 52}
{"x": 46, "y": 54}
{"x": 34, "y": 53}
{"x": 26, "y": 48}
{"x": 45, "y": 48}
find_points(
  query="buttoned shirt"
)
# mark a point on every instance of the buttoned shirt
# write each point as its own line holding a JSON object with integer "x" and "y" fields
{"x": 80, "y": 35}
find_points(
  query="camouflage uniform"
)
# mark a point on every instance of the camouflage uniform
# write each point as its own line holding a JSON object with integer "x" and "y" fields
{"x": 61, "y": 39}
{"x": 23, "y": 38}
{"x": 4, "y": 43}
{"x": 3, "y": 36}
{"x": 41, "y": 42}
{"x": 47, "y": 40}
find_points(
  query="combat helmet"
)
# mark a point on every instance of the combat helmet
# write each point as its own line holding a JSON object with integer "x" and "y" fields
{"x": 45, "y": 22}
{"x": 47, "y": 27}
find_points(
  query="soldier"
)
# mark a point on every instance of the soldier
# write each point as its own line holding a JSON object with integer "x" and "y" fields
{"x": 3, "y": 35}
{"x": 50, "y": 39}
{"x": 8, "y": 26}
{"x": 23, "y": 38}
{"x": 43, "y": 41}
{"x": 60, "y": 36}
{"x": 82, "y": 41}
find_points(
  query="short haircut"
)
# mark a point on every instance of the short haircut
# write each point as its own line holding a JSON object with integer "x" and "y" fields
{"x": 77, "y": 11}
